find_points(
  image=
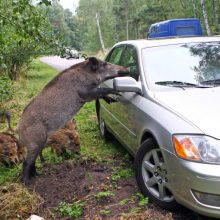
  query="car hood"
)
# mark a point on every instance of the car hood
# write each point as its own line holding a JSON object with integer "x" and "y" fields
{"x": 200, "y": 106}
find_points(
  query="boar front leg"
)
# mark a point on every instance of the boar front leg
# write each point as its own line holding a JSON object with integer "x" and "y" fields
{"x": 96, "y": 93}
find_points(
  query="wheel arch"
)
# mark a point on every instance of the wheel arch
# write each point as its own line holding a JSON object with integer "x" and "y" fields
{"x": 146, "y": 135}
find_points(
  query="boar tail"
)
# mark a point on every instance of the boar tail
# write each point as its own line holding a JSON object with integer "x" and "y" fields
{"x": 8, "y": 117}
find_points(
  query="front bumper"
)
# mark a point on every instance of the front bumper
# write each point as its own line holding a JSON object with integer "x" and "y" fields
{"x": 194, "y": 185}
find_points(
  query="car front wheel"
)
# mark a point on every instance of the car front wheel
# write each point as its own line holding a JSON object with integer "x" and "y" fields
{"x": 151, "y": 175}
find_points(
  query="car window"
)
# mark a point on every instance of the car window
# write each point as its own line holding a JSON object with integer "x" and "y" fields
{"x": 129, "y": 59}
{"x": 195, "y": 63}
{"x": 115, "y": 55}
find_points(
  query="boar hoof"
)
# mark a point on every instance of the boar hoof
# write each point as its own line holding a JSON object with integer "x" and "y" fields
{"x": 28, "y": 172}
{"x": 27, "y": 182}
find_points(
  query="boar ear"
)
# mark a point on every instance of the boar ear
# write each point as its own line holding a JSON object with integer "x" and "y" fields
{"x": 94, "y": 63}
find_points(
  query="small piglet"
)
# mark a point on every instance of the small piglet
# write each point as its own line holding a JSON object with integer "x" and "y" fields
{"x": 66, "y": 138}
{"x": 8, "y": 149}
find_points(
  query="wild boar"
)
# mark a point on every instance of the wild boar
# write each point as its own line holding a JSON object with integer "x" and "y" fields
{"x": 58, "y": 102}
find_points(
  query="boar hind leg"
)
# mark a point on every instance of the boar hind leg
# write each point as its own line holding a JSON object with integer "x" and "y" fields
{"x": 29, "y": 169}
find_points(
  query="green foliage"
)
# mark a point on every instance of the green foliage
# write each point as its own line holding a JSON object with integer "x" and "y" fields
{"x": 103, "y": 195}
{"x": 130, "y": 19}
{"x": 142, "y": 202}
{"x": 25, "y": 33}
{"x": 73, "y": 210}
{"x": 8, "y": 173}
{"x": 126, "y": 201}
{"x": 104, "y": 212}
{"x": 142, "y": 199}
{"x": 6, "y": 89}
{"x": 63, "y": 24}
{"x": 50, "y": 157}
{"x": 119, "y": 173}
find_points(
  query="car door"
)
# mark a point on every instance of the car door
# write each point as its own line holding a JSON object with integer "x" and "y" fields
{"x": 106, "y": 104}
{"x": 124, "y": 111}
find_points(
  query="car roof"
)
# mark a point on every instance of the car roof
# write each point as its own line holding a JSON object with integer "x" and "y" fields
{"x": 143, "y": 43}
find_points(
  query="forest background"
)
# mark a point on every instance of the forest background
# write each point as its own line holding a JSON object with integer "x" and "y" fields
{"x": 31, "y": 28}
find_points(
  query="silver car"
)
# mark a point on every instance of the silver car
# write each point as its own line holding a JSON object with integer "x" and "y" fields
{"x": 167, "y": 114}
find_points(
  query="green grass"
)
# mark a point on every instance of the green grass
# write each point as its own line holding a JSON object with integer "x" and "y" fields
{"x": 143, "y": 201}
{"x": 73, "y": 210}
{"x": 8, "y": 174}
{"x": 100, "y": 196}
{"x": 119, "y": 172}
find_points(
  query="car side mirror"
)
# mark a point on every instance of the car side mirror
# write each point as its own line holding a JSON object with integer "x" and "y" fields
{"x": 134, "y": 73}
{"x": 126, "y": 84}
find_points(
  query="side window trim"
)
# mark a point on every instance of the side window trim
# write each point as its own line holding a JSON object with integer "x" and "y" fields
{"x": 133, "y": 48}
{"x": 119, "y": 46}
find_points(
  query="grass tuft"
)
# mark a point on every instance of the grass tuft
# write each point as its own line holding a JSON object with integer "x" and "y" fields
{"x": 73, "y": 210}
{"x": 17, "y": 202}
{"x": 103, "y": 195}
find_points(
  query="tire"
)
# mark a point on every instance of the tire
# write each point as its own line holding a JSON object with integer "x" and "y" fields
{"x": 151, "y": 175}
{"x": 102, "y": 127}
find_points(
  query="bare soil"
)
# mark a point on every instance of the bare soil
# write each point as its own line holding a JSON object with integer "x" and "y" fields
{"x": 82, "y": 180}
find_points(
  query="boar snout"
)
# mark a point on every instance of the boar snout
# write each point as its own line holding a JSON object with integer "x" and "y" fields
{"x": 123, "y": 73}
{"x": 15, "y": 160}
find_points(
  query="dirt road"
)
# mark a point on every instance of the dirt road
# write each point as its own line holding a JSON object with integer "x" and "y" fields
{"x": 59, "y": 63}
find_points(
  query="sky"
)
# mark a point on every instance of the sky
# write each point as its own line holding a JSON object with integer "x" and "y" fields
{"x": 69, "y": 4}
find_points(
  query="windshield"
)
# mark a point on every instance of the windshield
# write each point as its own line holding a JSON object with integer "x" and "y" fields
{"x": 197, "y": 63}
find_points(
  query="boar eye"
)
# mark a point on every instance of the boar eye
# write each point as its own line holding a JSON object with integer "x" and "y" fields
{"x": 11, "y": 154}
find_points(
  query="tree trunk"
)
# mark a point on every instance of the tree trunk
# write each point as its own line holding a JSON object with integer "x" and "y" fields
{"x": 100, "y": 33}
{"x": 204, "y": 12}
{"x": 183, "y": 5}
{"x": 127, "y": 22}
{"x": 194, "y": 8}
{"x": 215, "y": 11}
{"x": 127, "y": 33}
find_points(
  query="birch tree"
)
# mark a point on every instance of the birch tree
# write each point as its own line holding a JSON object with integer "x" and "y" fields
{"x": 215, "y": 12}
{"x": 205, "y": 16}
{"x": 100, "y": 33}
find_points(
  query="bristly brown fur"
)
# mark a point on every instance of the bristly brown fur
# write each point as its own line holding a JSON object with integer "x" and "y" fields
{"x": 58, "y": 102}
